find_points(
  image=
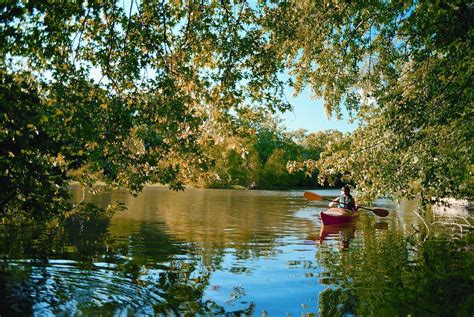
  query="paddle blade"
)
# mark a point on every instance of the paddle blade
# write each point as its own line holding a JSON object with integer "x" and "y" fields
{"x": 312, "y": 196}
{"x": 380, "y": 212}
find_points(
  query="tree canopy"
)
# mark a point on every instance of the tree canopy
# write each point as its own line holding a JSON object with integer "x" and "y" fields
{"x": 404, "y": 69}
{"x": 122, "y": 94}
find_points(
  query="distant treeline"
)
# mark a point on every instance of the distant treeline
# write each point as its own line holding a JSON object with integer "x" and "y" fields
{"x": 265, "y": 159}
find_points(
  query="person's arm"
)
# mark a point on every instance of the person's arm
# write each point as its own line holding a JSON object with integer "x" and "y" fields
{"x": 334, "y": 202}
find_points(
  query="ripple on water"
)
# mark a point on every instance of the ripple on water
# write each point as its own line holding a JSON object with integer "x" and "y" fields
{"x": 63, "y": 285}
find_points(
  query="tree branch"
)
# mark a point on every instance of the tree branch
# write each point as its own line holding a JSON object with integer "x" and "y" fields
{"x": 80, "y": 36}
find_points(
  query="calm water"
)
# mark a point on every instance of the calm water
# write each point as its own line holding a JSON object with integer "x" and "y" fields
{"x": 218, "y": 252}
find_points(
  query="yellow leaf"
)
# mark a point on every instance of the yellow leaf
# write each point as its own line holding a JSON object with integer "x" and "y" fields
{"x": 92, "y": 145}
{"x": 60, "y": 159}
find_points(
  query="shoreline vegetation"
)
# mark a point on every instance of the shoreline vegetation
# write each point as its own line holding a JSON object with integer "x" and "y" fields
{"x": 73, "y": 184}
{"x": 236, "y": 187}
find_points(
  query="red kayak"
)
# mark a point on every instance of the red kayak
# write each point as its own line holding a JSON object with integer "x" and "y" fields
{"x": 335, "y": 216}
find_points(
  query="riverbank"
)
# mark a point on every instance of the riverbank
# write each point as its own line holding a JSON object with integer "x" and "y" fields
{"x": 236, "y": 187}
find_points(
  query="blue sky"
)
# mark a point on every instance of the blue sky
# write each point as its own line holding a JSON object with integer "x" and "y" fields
{"x": 309, "y": 114}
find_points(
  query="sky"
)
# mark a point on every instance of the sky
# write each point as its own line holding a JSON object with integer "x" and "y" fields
{"x": 309, "y": 114}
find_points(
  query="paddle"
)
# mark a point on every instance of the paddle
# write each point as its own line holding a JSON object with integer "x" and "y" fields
{"x": 378, "y": 211}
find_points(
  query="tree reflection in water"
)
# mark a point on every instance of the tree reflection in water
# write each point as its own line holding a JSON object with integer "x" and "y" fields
{"x": 80, "y": 268}
{"x": 389, "y": 273}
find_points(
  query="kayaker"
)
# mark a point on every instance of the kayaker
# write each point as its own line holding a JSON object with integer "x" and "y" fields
{"x": 345, "y": 200}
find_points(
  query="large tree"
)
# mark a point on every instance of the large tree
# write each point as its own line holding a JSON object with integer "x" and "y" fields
{"x": 403, "y": 69}
{"x": 121, "y": 92}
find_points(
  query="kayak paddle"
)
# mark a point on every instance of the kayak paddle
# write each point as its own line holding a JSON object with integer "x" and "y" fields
{"x": 378, "y": 211}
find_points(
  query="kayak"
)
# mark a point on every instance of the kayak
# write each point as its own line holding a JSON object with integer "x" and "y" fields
{"x": 335, "y": 216}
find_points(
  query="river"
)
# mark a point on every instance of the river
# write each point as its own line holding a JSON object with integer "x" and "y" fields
{"x": 237, "y": 252}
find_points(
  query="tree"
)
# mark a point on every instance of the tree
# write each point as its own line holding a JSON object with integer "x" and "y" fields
{"x": 404, "y": 69}
{"x": 314, "y": 148}
{"x": 121, "y": 94}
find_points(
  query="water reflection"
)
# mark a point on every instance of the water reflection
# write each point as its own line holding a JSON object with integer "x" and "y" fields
{"x": 342, "y": 233}
{"x": 384, "y": 272}
{"x": 223, "y": 252}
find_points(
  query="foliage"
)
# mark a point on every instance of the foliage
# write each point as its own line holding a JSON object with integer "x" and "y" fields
{"x": 31, "y": 168}
{"x": 316, "y": 146}
{"x": 404, "y": 69}
{"x": 259, "y": 159}
{"x": 121, "y": 94}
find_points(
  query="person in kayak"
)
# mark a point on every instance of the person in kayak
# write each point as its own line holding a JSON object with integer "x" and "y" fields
{"x": 345, "y": 200}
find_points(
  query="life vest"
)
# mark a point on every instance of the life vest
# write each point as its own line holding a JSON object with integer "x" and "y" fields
{"x": 346, "y": 202}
